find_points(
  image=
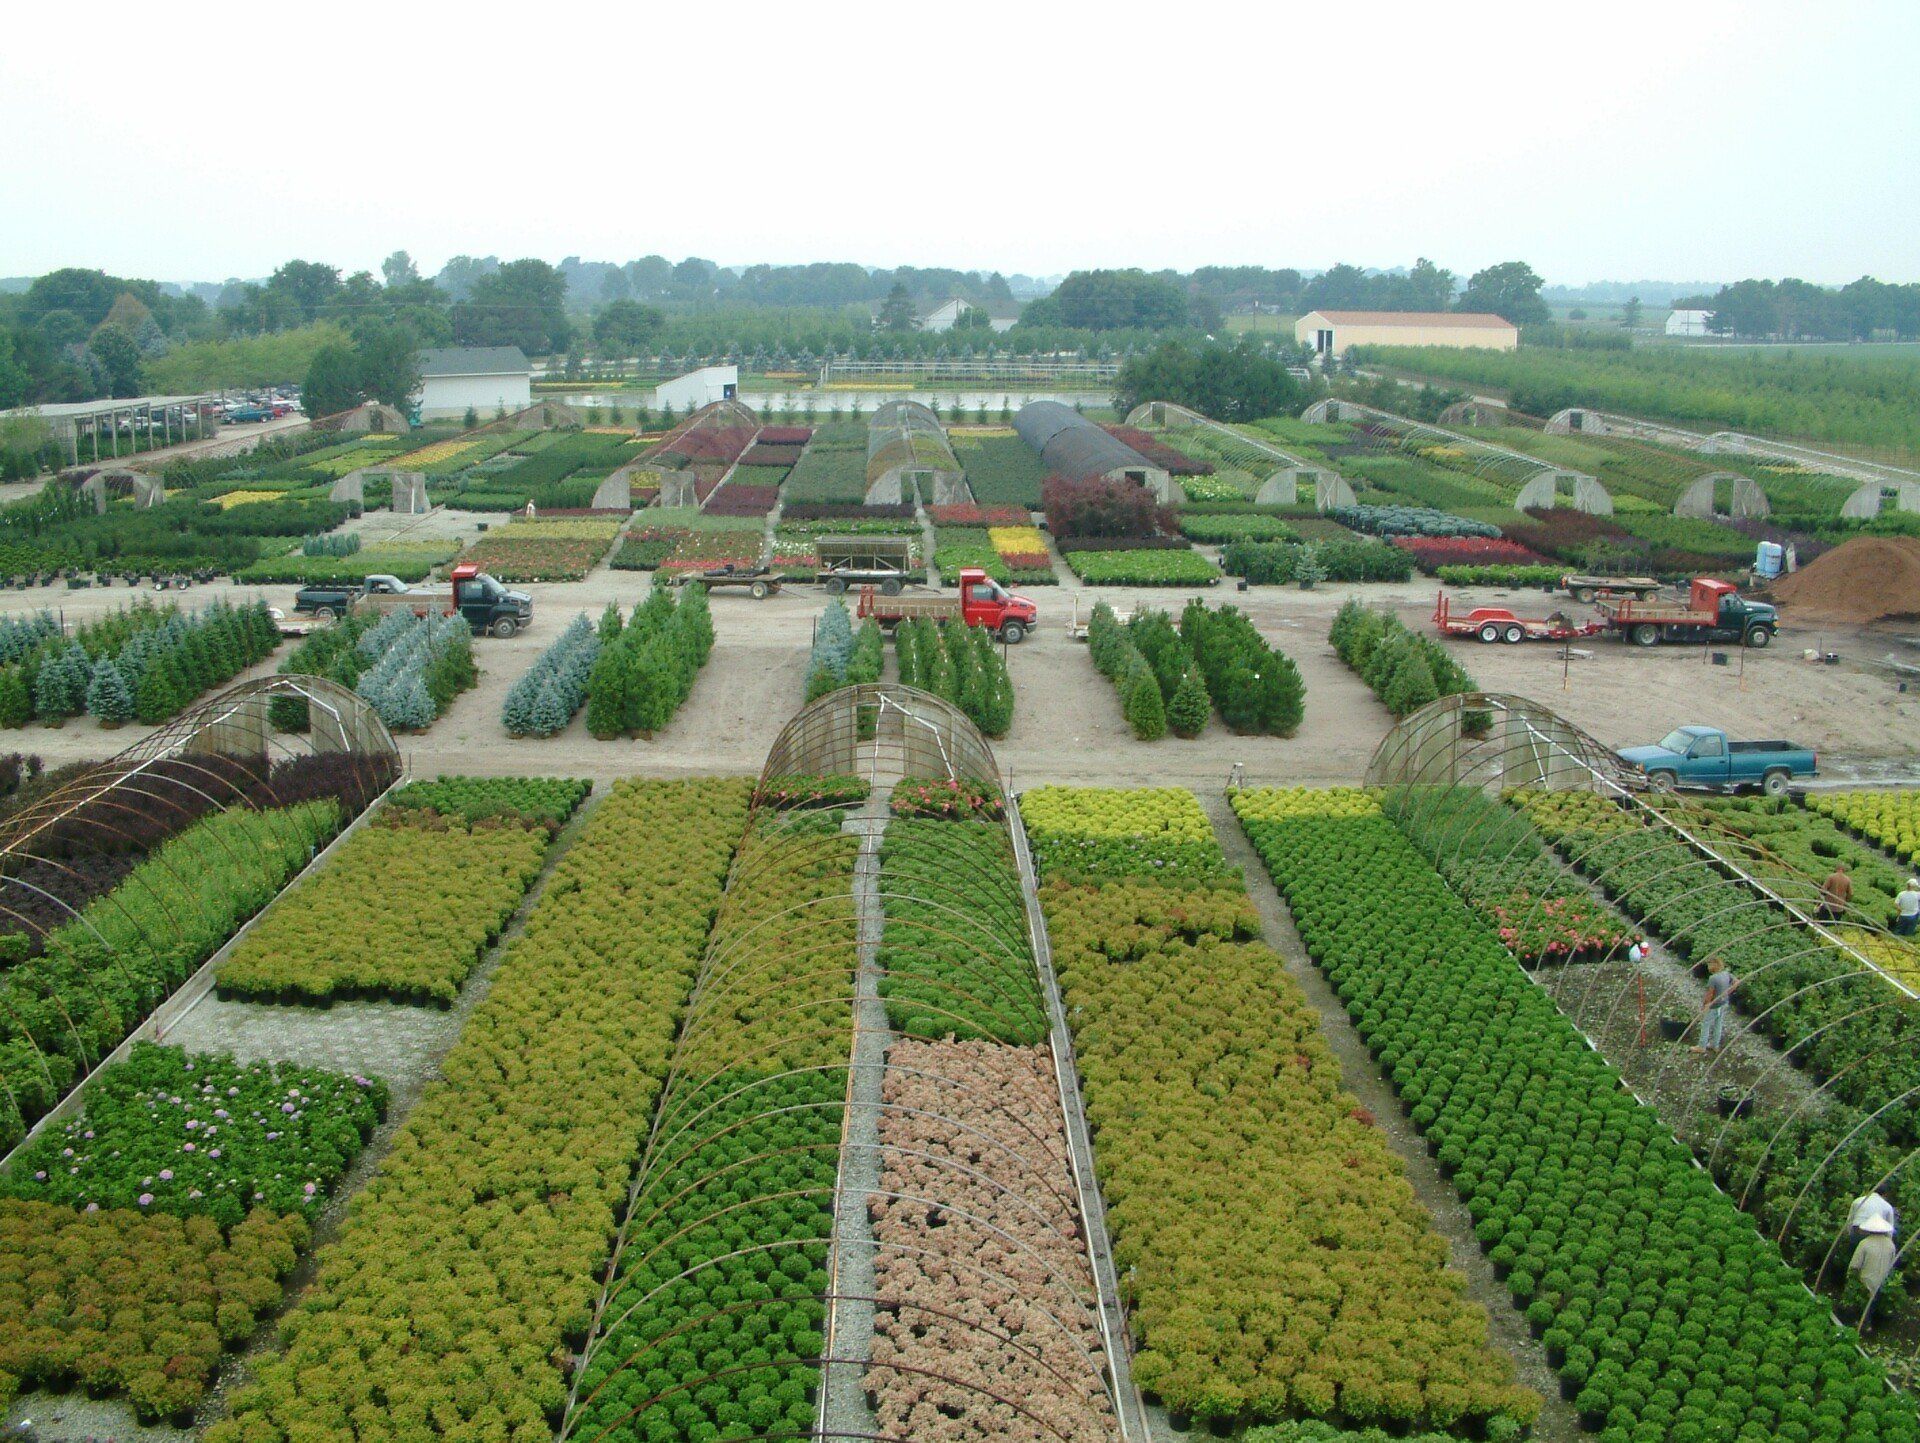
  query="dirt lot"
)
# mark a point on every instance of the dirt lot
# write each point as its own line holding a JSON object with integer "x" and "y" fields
{"x": 1067, "y": 725}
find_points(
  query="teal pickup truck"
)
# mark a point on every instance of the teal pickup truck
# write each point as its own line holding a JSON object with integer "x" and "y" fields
{"x": 1707, "y": 757}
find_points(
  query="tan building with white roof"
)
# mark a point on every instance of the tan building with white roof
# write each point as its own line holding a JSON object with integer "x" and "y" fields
{"x": 1334, "y": 333}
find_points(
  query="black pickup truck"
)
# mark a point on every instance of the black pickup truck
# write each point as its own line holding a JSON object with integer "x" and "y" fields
{"x": 490, "y": 609}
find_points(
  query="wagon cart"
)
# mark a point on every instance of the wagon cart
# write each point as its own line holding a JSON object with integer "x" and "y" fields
{"x": 1497, "y": 623}
{"x": 759, "y": 582}
{"x": 882, "y": 561}
{"x": 1591, "y": 588}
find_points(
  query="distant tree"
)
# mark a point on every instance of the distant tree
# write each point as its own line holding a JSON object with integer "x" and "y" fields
{"x": 399, "y": 270}
{"x": 1576, "y": 314}
{"x": 627, "y": 328}
{"x": 118, "y": 356}
{"x": 332, "y": 383}
{"x": 1428, "y": 287}
{"x": 471, "y": 419}
{"x": 973, "y": 318}
{"x": 389, "y": 364}
{"x": 1228, "y": 383}
{"x": 1110, "y": 300}
{"x": 1630, "y": 312}
{"x": 521, "y": 304}
{"x": 1510, "y": 290}
{"x": 897, "y": 312}
{"x": 307, "y": 284}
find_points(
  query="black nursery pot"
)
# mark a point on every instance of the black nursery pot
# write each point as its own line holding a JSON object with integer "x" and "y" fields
{"x": 1672, "y": 1029}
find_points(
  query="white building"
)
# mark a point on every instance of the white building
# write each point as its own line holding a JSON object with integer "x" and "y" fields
{"x": 945, "y": 317}
{"x": 483, "y": 379}
{"x": 697, "y": 388}
{"x": 1689, "y": 323}
{"x": 1334, "y": 333}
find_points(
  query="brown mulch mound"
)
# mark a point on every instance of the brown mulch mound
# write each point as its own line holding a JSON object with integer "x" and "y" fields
{"x": 1866, "y": 579}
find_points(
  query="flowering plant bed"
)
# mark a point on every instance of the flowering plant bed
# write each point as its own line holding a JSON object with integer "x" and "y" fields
{"x": 1434, "y": 552}
{"x": 1174, "y": 463}
{"x": 738, "y": 498}
{"x": 202, "y": 1135}
{"x": 952, "y": 799}
{"x": 812, "y": 791}
{"x": 979, "y": 515}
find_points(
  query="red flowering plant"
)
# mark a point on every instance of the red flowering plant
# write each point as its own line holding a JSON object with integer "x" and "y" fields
{"x": 957, "y": 798}
{"x": 979, "y": 515}
{"x": 1432, "y": 552}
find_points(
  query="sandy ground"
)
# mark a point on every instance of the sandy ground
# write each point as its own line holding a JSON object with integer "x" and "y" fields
{"x": 1067, "y": 725}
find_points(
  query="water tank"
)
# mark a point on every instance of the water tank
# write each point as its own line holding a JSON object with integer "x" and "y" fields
{"x": 1767, "y": 558}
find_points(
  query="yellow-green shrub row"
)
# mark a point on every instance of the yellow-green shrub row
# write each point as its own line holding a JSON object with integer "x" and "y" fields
{"x": 1277, "y": 1261}
{"x": 1891, "y": 819}
{"x": 403, "y": 911}
{"x": 444, "y": 1306}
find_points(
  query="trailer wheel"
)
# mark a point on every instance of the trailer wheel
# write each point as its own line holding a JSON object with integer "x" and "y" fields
{"x": 504, "y": 628}
{"x": 836, "y": 585}
{"x": 1663, "y": 781}
{"x": 1774, "y": 783}
{"x": 1513, "y": 634}
{"x": 891, "y": 586}
{"x": 1645, "y": 634}
{"x": 1760, "y": 638}
{"x": 1013, "y": 633}
{"x": 759, "y": 591}
{"x": 1488, "y": 632}
{"x": 1586, "y": 594}
{"x": 325, "y": 613}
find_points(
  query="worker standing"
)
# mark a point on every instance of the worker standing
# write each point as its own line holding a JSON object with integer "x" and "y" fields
{"x": 1713, "y": 1012}
{"x": 1906, "y": 909}
{"x": 1873, "y": 1259}
{"x": 1867, "y": 1207}
{"x": 1836, "y": 892}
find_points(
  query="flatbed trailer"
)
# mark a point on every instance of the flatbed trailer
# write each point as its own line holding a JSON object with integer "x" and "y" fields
{"x": 1714, "y": 611}
{"x": 1497, "y": 623}
{"x": 1591, "y": 588}
{"x": 759, "y": 582}
{"x": 882, "y": 561}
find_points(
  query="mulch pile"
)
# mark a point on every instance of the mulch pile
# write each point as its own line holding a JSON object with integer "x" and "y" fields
{"x": 1866, "y": 579}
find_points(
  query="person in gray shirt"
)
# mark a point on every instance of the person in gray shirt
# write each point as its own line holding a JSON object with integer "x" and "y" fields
{"x": 1713, "y": 1012}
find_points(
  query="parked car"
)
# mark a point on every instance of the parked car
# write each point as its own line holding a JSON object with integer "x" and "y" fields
{"x": 247, "y": 415}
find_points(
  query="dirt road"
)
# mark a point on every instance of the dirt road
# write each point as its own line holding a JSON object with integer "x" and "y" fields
{"x": 1067, "y": 724}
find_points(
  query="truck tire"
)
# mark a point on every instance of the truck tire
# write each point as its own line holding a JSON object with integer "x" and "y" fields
{"x": 1774, "y": 783}
{"x": 505, "y": 628}
{"x": 1488, "y": 632}
{"x": 1585, "y": 594}
{"x": 1514, "y": 634}
{"x": 1663, "y": 781}
{"x": 759, "y": 591}
{"x": 891, "y": 586}
{"x": 1013, "y": 633}
{"x": 1645, "y": 634}
{"x": 836, "y": 585}
{"x": 1760, "y": 637}
{"x": 325, "y": 613}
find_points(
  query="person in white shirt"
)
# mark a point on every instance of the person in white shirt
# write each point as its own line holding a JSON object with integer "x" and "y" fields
{"x": 1872, "y": 1207}
{"x": 1906, "y": 909}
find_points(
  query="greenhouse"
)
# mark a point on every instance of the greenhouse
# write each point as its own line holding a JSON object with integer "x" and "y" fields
{"x": 907, "y": 450}
{"x": 1070, "y": 445}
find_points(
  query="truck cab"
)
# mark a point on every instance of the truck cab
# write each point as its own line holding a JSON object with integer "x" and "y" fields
{"x": 1735, "y": 617}
{"x": 489, "y": 607}
{"x": 1702, "y": 756}
{"x": 985, "y": 602}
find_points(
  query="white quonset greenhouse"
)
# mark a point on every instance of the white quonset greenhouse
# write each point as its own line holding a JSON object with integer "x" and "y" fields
{"x": 907, "y": 455}
{"x": 1070, "y": 445}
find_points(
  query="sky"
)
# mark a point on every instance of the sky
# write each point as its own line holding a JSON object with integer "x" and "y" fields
{"x": 1683, "y": 140}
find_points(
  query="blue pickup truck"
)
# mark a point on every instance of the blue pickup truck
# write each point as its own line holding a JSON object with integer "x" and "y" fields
{"x": 1707, "y": 757}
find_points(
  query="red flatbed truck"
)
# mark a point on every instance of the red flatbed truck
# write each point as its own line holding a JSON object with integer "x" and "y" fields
{"x": 1714, "y": 611}
{"x": 1497, "y": 623}
{"x": 980, "y": 601}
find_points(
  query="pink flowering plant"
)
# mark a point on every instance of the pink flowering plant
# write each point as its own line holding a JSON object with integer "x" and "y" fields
{"x": 171, "y": 1132}
{"x": 953, "y": 798}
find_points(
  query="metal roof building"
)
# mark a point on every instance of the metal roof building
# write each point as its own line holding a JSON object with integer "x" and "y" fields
{"x": 483, "y": 379}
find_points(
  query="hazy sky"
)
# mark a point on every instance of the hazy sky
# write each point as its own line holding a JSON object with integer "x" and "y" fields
{"x": 1685, "y": 140}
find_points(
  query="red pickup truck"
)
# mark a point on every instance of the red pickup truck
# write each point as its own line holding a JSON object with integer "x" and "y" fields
{"x": 981, "y": 601}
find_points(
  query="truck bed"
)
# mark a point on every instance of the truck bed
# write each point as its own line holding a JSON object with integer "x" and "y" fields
{"x": 1665, "y": 613}
{"x": 908, "y": 608}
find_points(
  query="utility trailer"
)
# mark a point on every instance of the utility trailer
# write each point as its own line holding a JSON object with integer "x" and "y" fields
{"x": 980, "y": 601}
{"x": 759, "y": 582}
{"x": 882, "y": 561}
{"x": 1590, "y": 589}
{"x": 1714, "y": 611}
{"x": 1497, "y": 623}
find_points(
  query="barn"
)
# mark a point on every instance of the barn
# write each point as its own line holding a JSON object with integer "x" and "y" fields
{"x": 1334, "y": 333}
{"x": 686, "y": 394}
{"x": 481, "y": 379}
